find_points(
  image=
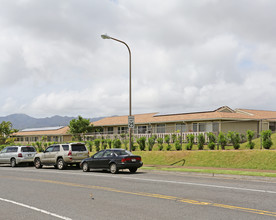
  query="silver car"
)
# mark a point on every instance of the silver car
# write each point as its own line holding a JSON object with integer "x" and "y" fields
{"x": 61, "y": 155}
{"x": 15, "y": 155}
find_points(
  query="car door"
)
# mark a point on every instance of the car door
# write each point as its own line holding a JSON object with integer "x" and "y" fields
{"x": 106, "y": 158}
{"x": 3, "y": 154}
{"x": 52, "y": 155}
{"x": 95, "y": 161}
{"x": 46, "y": 155}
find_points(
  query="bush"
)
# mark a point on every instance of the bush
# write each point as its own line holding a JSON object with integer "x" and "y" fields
{"x": 177, "y": 145}
{"x": 167, "y": 139}
{"x": 169, "y": 147}
{"x": 266, "y": 139}
{"x": 151, "y": 142}
{"x": 212, "y": 140}
{"x": 173, "y": 138}
{"x": 234, "y": 139}
{"x": 142, "y": 143}
{"x": 200, "y": 141}
{"x": 117, "y": 143}
{"x": 250, "y": 134}
{"x": 133, "y": 146}
{"x": 222, "y": 140}
{"x": 97, "y": 143}
{"x": 190, "y": 140}
{"x": 160, "y": 143}
{"x": 90, "y": 145}
{"x": 104, "y": 144}
{"x": 109, "y": 142}
{"x": 39, "y": 146}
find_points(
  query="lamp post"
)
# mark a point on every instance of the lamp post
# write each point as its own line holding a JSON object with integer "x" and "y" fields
{"x": 105, "y": 36}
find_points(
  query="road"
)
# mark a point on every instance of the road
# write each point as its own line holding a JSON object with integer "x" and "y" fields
{"x": 28, "y": 193}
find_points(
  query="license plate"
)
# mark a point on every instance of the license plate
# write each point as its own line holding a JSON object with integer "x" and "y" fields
{"x": 29, "y": 155}
{"x": 133, "y": 160}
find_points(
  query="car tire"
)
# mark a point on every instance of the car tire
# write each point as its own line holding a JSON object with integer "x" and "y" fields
{"x": 85, "y": 167}
{"x": 13, "y": 162}
{"x": 37, "y": 163}
{"x": 132, "y": 170}
{"x": 113, "y": 168}
{"x": 61, "y": 164}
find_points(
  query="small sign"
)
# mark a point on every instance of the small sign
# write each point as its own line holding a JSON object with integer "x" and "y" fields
{"x": 131, "y": 122}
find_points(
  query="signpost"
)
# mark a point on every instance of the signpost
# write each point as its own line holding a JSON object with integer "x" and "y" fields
{"x": 131, "y": 122}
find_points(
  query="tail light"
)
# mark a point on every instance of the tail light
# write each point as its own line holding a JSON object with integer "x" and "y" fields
{"x": 70, "y": 153}
{"x": 19, "y": 155}
{"x": 130, "y": 158}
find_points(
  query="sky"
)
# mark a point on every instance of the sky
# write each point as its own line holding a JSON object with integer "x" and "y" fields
{"x": 186, "y": 56}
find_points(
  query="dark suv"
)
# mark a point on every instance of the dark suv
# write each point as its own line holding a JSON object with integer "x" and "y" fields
{"x": 60, "y": 155}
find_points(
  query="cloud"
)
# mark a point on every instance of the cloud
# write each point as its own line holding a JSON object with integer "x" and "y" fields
{"x": 186, "y": 56}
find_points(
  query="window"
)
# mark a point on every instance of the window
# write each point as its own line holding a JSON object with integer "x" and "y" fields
{"x": 142, "y": 129}
{"x": 215, "y": 127}
{"x": 49, "y": 149}
{"x": 110, "y": 130}
{"x": 56, "y": 149}
{"x": 161, "y": 128}
{"x": 202, "y": 127}
{"x": 27, "y": 149}
{"x": 12, "y": 149}
{"x": 78, "y": 147}
{"x": 194, "y": 127}
{"x": 180, "y": 127}
{"x": 4, "y": 151}
{"x": 108, "y": 153}
{"x": 122, "y": 130}
{"x": 99, "y": 155}
{"x": 65, "y": 147}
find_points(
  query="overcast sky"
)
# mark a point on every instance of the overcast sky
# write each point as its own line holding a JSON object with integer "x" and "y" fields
{"x": 186, "y": 56}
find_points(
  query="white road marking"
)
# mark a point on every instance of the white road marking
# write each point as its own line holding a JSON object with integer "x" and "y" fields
{"x": 152, "y": 180}
{"x": 34, "y": 208}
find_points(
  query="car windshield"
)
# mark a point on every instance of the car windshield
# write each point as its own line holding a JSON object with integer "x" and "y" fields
{"x": 123, "y": 153}
{"x": 27, "y": 149}
{"x": 78, "y": 147}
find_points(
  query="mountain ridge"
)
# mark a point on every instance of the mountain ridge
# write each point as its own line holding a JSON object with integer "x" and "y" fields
{"x": 22, "y": 121}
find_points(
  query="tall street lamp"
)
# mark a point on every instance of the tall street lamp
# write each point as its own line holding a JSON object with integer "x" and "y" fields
{"x": 130, "y": 118}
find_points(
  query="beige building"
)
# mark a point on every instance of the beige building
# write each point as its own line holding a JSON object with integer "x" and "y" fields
{"x": 49, "y": 134}
{"x": 223, "y": 119}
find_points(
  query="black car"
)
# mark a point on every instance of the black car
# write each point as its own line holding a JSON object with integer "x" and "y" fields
{"x": 113, "y": 160}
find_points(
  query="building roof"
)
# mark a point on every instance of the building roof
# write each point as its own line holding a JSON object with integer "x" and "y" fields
{"x": 222, "y": 113}
{"x": 60, "y": 130}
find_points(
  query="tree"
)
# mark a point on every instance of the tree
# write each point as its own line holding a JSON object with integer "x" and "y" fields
{"x": 250, "y": 135}
{"x": 200, "y": 141}
{"x": 234, "y": 139}
{"x": 6, "y": 130}
{"x": 212, "y": 140}
{"x": 79, "y": 127}
{"x": 266, "y": 139}
{"x": 222, "y": 140}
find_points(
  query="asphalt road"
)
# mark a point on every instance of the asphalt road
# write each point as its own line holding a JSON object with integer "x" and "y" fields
{"x": 28, "y": 193}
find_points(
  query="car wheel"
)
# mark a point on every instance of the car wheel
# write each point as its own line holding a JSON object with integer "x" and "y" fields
{"x": 132, "y": 170}
{"x": 85, "y": 167}
{"x": 113, "y": 168}
{"x": 37, "y": 163}
{"x": 13, "y": 162}
{"x": 61, "y": 164}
